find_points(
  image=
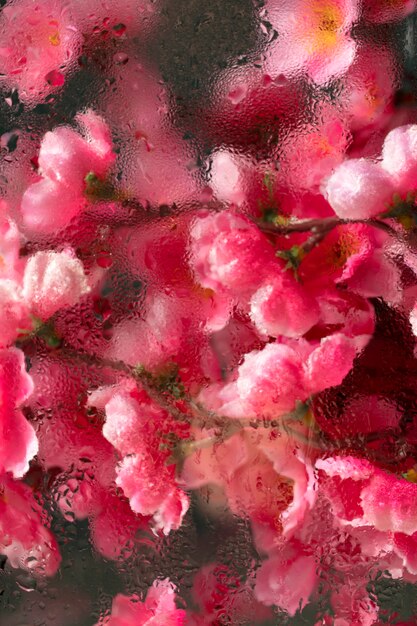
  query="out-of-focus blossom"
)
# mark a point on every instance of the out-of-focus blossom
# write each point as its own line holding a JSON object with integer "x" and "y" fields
{"x": 320, "y": 146}
{"x": 218, "y": 591}
{"x": 287, "y": 579}
{"x": 313, "y": 37}
{"x": 10, "y": 239}
{"x": 24, "y": 538}
{"x": 158, "y": 608}
{"x": 18, "y": 442}
{"x": 66, "y": 159}
{"x": 39, "y": 43}
{"x": 14, "y": 312}
{"x": 369, "y": 87}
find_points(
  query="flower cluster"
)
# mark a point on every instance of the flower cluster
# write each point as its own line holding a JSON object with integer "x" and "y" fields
{"x": 240, "y": 323}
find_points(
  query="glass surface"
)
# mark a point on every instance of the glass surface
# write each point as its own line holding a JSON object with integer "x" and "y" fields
{"x": 208, "y": 316}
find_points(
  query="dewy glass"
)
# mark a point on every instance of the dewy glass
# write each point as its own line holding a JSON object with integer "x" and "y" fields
{"x": 208, "y": 319}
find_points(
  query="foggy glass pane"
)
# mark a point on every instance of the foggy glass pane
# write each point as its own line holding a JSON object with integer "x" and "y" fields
{"x": 208, "y": 312}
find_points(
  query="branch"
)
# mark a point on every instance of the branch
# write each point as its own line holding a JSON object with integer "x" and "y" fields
{"x": 322, "y": 226}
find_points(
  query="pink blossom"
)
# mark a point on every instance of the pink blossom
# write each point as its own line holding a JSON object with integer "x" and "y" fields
{"x": 271, "y": 381}
{"x": 136, "y": 428}
{"x": 162, "y": 166}
{"x": 150, "y": 487}
{"x": 378, "y": 277}
{"x": 359, "y": 189}
{"x": 359, "y": 495}
{"x": 18, "y": 443}
{"x": 330, "y": 362}
{"x": 320, "y": 146}
{"x": 115, "y": 528}
{"x": 229, "y": 174}
{"x": 369, "y": 87}
{"x": 405, "y": 547}
{"x": 281, "y": 307}
{"x": 14, "y": 312}
{"x": 158, "y": 608}
{"x": 287, "y": 579}
{"x": 38, "y": 44}
{"x": 65, "y": 159}
{"x": 263, "y": 476}
{"x": 314, "y": 37}
{"x": 354, "y": 607}
{"x": 354, "y": 255}
{"x": 9, "y": 245}
{"x": 159, "y": 253}
{"x": 229, "y": 252}
{"x": 24, "y": 539}
{"x": 52, "y": 281}
{"x": 399, "y": 157}
{"x": 152, "y": 340}
{"x": 380, "y": 11}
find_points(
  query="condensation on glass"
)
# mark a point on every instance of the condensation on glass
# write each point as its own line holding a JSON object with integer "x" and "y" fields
{"x": 207, "y": 312}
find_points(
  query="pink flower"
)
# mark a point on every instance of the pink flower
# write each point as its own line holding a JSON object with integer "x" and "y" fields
{"x": 358, "y": 492}
{"x": 287, "y": 579}
{"x": 271, "y": 381}
{"x": 150, "y": 487}
{"x": 330, "y": 362}
{"x": 53, "y": 281}
{"x": 353, "y": 606}
{"x": 348, "y": 313}
{"x": 229, "y": 177}
{"x": 380, "y": 11}
{"x": 115, "y": 529}
{"x": 158, "y": 609}
{"x": 264, "y": 477}
{"x": 354, "y": 255}
{"x": 38, "y": 45}
{"x": 162, "y": 166}
{"x": 313, "y": 36}
{"x": 24, "y": 539}
{"x": 359, "y": 189}
{"x": 154, "y": 339}
{"x": 9, "y": 245}
{"x": 18, "y": 443}
{"x": 136, "y": 428}
{"x": 399, "y": 157}
{"x": 65, "y": 159}
{"x": 319, "y": 145}
{"x": 14, "y": 312}
{"x": 282, "y": 307}
{"x": 369, "y": 87}
{"x": 229, "y": 252}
